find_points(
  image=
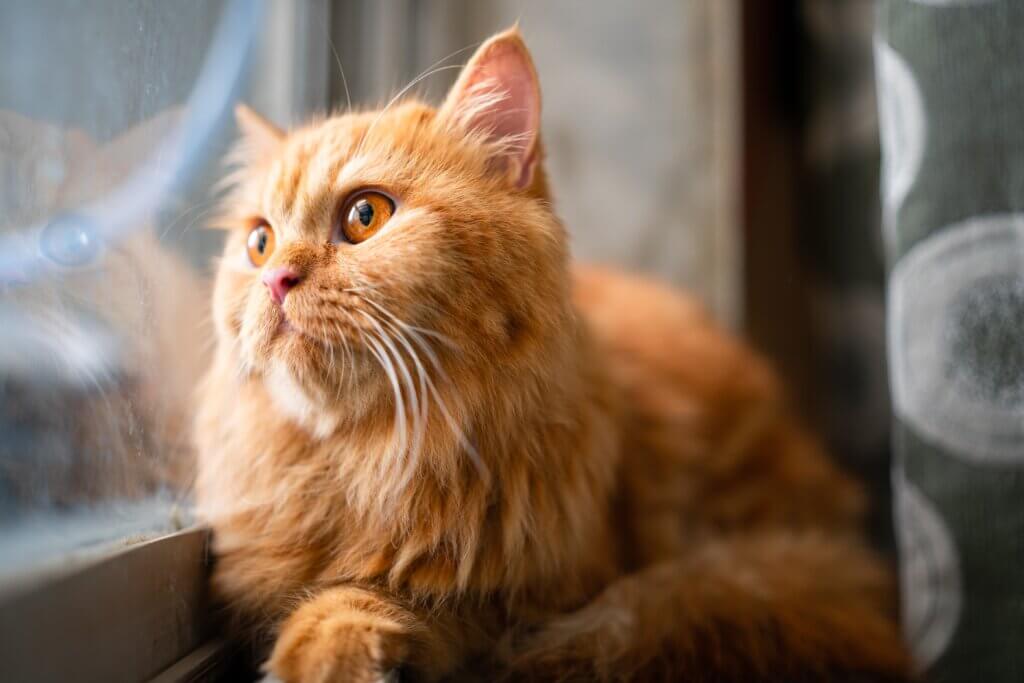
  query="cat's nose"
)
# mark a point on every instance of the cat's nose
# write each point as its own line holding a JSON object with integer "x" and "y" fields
{"x": 279, "y": 282}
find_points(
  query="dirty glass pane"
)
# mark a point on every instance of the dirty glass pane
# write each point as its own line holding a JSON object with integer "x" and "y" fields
{"x": 113, "y": 116}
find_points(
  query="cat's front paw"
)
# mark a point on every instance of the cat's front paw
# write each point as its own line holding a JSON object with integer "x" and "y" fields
{"x": 322, "y": 645}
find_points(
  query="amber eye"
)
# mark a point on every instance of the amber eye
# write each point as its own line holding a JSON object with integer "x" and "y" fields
{"x": 365, "y": 214}
{"x": 260, "y": 244}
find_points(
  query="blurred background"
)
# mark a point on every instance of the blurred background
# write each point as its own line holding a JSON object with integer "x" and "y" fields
{"x": 744, "y": 134}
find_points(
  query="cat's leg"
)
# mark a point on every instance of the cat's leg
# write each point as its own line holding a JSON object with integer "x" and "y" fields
{"x": 741, "y": 610}
{"x": 355, "y": 634}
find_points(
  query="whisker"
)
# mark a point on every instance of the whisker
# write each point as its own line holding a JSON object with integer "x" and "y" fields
{"x": 210, "y": 204}
{"x": 344, "y": 81}
{"x": 389, "y": 369}
{"x": 351, "y": 358}
{"x": 197, "y": 220}
{"x": 447, "y": 341}
{"x": 345, "y": 344}
{"x": 426, "y": 74}
{"x": 414, "y": 399}
{"x": 421, "y": 373}
{"x": 453, "y": 424}
{"x": 330, "y": 348}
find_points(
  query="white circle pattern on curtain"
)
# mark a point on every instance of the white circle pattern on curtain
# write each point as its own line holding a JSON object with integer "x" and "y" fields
{"x": 932, "y": 592}
{"x": 902, "y": 130}
{"x": 956, "y": 301}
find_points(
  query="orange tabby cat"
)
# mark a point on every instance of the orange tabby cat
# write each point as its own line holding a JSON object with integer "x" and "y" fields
{"x": 426, "y": 444}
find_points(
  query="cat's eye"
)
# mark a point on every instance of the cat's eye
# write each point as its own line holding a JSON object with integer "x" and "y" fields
{"x": 365, "y": 214}
{"x": 260, "y": 244}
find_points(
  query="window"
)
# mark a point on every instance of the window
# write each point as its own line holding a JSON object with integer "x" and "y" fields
{"x": 114, "y": 117}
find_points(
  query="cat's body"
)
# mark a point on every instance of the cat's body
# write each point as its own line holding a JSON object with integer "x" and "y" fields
{"x": 438, "y": 449}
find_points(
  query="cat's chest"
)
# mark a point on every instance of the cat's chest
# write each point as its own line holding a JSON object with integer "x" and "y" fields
{"x": 279, "y": 505}
{"x": 273, "y": 547}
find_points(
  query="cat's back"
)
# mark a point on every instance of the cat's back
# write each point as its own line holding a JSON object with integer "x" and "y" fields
{"x": 665, "y": 350}
{"x": 708, "y": 441}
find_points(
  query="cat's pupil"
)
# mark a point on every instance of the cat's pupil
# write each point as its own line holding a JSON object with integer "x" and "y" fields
{"x": 365, "y": 211}
{"x": 261, "y": 245}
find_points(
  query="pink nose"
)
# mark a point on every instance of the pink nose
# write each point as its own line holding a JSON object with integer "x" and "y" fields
{"x": 279, "y": 282}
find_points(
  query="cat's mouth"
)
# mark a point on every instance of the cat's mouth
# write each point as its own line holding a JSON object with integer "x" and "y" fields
{"x": 285, "y": 327}
{"x": 297, "y": 336}
{"x": 320, "y": 334}
{"x": 308, "y": 320}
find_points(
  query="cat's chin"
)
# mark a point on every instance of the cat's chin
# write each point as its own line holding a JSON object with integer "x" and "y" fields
{"x": 307, "y": 377}
{"x": 298, "y": 402}
{"x": 318, "y": 403}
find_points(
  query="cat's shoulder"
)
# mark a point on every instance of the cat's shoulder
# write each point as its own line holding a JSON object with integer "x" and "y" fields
{"x": 655, "y": 335}
{"x": 599, "y": 290}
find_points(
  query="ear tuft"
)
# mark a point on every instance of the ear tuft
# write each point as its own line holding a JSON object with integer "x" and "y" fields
{"x": 260, "y": 137}
{"x": 497, "y": 96}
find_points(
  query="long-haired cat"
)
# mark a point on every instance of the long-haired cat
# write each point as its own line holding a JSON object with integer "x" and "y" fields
{"x": 427, "y": 444}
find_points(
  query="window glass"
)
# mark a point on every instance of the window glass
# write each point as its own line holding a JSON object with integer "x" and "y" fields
{"x": 113, "y": 118}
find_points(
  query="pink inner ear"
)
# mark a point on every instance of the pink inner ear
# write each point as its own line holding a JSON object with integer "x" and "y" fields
{"x": 499, "y": 96}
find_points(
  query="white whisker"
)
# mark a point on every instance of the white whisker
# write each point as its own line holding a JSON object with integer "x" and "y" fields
{"x": 412, "y": 456}
{"x": 394, "y": 99}
{"x": 426, "y": 73}
{"x": 447, "y": 341}
{"x": 453, "y": 424}
{"x": 344, "y": 81}
{"x": 400, "y": 427}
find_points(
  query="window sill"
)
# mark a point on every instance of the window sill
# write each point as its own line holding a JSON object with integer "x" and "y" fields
{"x": 133, "y": 614}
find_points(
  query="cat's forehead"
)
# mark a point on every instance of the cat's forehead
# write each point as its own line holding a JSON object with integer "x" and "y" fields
{"x": 339, "y": 153}
{"x": 370, "y": 134}
{"x": 314, "y": 151}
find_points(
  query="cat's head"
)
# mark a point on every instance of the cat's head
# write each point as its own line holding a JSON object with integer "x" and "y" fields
{"x": 366, "y": 244}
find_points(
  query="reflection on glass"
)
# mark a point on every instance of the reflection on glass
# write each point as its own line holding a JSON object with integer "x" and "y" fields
{"x": 101, "y": 348}
{"x": 111, "y": 130}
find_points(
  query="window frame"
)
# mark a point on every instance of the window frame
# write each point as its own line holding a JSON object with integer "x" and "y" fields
{"x": 129, "y": 614}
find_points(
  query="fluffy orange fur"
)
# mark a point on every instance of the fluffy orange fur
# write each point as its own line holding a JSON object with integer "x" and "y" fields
{"x": 449, "y": 452}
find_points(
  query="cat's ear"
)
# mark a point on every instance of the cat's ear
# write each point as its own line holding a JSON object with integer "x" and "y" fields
{"x": 260, "y": 137}
{"x": 497, "y": 95}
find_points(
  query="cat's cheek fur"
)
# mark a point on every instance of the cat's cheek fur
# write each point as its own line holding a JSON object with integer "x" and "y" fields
{"x": 229, "y": 301}
{"x": 258, "y": 331}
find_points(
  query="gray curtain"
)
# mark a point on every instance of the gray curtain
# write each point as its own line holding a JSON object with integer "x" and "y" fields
{"x": 951, "y": 104}
{"x": 838, "y": 238}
